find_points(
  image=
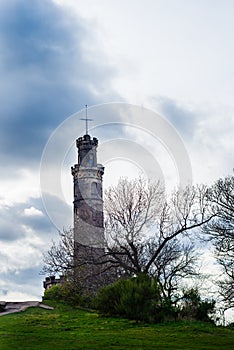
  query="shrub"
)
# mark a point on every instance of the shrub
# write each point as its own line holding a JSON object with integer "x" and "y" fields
{"x": 54, "y": 293}
{"x": 108, "y": 298}
{"x": 165, "y": 311}
{"x": 204, "y": 310}
{"x": 136, "y": 298}
{"x": 67, "y": 292}
{"x": 195, "y": 308}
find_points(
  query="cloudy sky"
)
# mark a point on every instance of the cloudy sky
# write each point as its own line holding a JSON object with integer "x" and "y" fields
{"x": 158, "y": 77}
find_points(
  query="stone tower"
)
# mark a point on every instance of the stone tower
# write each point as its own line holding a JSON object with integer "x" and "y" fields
{"x": 88, "y": 214}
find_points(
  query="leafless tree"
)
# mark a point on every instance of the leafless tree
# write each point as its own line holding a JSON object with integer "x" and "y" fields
{"x": 176, "y": 262}
{"x": 60, "y": 257}
{"x": 87, "y": 273}
{"x": 221, "y": 231}
{"x": 145, "y": 229}
{"x": 130, "y": 211}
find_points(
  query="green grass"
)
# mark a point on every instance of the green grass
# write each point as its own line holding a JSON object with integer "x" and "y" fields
{"x": 69, "y": 329}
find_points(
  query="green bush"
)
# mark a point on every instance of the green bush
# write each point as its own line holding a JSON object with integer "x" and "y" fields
{"x": 54, "y": 293}
{"x": 194, "y": 308}
{"x": 68, "y": 293}
{"x": 136, "y": 298}
{"x": 166, "y": 311}
{"x": 204, "y": 310}
{"x": 108, "y": 298}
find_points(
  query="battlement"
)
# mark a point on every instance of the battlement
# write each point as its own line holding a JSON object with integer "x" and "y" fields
{"x": 86, "y": 141}
{"x": 52, "y": 281}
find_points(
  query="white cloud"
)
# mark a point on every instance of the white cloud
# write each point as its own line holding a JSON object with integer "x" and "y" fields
{"x": 27, "y": 251}
{"x": 32, "y": 212}
{"x": 182, "y": 52}
{"x": 19, "y": 186}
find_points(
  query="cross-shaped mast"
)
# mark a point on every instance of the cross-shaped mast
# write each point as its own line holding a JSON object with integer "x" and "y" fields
{"x": 86, "y": 119}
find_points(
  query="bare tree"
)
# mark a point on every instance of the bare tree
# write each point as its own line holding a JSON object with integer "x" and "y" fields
{"x": 60, "y": 257}
{"x": 176, "y": 262}
{"x": 130, "y": 211}
{"x": 145, "y": 229}
{"x": 221, "y": 230}
{"x": 87, "y": 274}
{"x": 146, "y": 232}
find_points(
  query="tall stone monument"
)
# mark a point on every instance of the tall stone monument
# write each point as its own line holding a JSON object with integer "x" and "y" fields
{"x": 88, "y": 215}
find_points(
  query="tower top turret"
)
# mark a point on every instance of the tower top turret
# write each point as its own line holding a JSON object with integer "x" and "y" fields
{"x": 87, "y": 151}
{"x": 86, "y": 140}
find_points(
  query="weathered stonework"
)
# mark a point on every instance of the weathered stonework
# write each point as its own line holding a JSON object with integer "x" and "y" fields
{"x": 88, "y": 214}
{"x": 51, "y": 281}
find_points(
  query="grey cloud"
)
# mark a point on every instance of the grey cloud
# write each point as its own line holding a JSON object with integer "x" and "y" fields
{"x": 44, "y": 75}
{"x": 13, "y": 221}
{"x": 10, "y": 228}
{"x": 27, "y": 276}
{"x": 22, "y": 281}
{"x": 59, "y": 212}
{"x": 183, "y": 120}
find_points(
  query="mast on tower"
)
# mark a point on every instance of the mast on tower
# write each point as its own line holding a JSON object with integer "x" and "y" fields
{"x": 86, "y": 119}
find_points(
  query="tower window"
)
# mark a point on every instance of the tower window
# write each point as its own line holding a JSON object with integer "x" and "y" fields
{"x": 94, "y": 188}
{"x": 91, "y": 159}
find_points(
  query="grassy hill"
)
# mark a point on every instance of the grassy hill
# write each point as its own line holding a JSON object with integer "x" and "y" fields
{"x": 69, "y": 329}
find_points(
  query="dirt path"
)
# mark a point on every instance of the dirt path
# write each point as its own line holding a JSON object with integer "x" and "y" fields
{"x": 12, "y": 307}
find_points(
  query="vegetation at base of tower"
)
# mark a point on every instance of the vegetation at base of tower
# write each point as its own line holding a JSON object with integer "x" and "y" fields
{"x": 68, "y": 293}
{"x": 54, "y": 293}
{"x": 140, "y": 298}
{"x": 135, "y": 298}
{"x": 194, "y": 308}
{"x": 148, "y": 231}
{"x": 151, "y": 233}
